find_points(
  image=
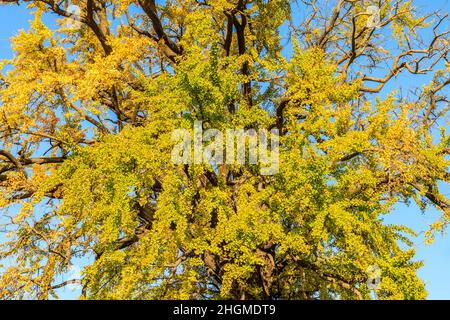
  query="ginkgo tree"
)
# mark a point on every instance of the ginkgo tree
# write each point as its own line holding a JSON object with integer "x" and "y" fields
{"x": 87, "y": 113}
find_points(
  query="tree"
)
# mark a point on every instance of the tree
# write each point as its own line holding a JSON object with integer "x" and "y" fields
{"x": 88, "y": 109}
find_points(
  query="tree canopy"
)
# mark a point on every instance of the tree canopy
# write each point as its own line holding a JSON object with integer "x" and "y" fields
{"x": 87, "y": 112}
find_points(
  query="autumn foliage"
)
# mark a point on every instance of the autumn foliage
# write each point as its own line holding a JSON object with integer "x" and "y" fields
{"x": 87, "y": 111}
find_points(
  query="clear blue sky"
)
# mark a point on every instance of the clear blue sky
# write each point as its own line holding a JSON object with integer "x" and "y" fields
{"x": 436, "y": 257}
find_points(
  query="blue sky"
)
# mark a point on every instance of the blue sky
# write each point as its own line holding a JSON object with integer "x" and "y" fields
{"x": 436, "y": 257}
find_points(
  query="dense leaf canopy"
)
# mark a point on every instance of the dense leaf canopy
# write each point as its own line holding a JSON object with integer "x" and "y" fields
{"x": 87, "y": 111}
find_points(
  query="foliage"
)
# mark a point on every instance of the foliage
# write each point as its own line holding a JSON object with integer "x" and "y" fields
{"x": 87, "y": 113}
